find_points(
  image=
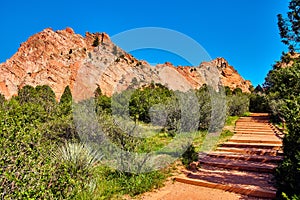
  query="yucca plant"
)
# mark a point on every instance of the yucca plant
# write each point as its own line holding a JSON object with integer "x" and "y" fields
{"x": 78, "y": 157}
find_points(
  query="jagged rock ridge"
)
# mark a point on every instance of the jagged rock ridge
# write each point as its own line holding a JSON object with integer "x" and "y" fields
{"x": 61, "y": 58}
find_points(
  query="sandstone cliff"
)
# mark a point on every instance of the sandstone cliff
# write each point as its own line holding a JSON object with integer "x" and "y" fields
{"x": 61, "y": 58}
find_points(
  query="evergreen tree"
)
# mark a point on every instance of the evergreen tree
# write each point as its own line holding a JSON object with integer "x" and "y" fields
{"x": 290, "y": 27}
{"x": 66, "y": 96}
{"x": 66, "y": 102}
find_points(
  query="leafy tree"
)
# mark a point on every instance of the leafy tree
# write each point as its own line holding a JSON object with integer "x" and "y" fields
{"x": 284, "y": 82}
{"x": 204, "y": 100}
{"x": 228, "y": 91}
{"x": 143, "y": 100}
{"x": 237, "y": 104}
{"x": 237, "y": 91}
{"x": 258, "y": 103}
{"x": 26, "y": 94}
{"x": 103, "y": 103}
{"x": 290, "y": 27}
{"x": 283, "y": 89}
{"x": 284, "y": 99}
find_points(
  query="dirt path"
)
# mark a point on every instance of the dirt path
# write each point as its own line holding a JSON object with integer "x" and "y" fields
{"x": 181, "y": 191}
{"x": 244, "y": 165}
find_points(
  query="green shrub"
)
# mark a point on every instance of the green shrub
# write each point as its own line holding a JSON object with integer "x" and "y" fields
{"x": 237, "y": 105}
{"x": 189, "y": 156}
{"x": 284, "y": 100}
{"x": 258, "y": 103}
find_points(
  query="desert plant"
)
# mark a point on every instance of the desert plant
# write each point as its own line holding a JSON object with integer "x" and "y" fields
{"x": 80, "y": 157}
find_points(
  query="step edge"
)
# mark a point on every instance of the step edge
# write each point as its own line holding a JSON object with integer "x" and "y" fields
{"x": 230, "y": 188}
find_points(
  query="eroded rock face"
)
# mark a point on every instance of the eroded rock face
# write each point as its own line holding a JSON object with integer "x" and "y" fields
{"x": 61, "y": 58}
{"x": 288, "y": 60}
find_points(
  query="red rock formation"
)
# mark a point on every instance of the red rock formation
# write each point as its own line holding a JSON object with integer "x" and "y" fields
{"x": 61, "y": 58}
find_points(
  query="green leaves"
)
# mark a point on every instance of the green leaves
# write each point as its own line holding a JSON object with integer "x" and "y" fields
{"x": 283, "y": 89}
{"x": 27, "y": 170}
{"x": 290, "y": 27}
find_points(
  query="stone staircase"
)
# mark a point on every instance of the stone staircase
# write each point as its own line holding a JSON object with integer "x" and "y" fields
{"x": 245, "y": 163}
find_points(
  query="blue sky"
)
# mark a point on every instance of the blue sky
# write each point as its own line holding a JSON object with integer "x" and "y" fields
{"x": 242, "y": 31}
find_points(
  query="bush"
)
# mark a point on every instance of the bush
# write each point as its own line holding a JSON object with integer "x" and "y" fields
{"x": 27, "y": 170}
{"x": 283, "y": 94}
{"x": 259, "y": 103}
{"x": 189, "y": 156}
{"x": 237, "y": 105}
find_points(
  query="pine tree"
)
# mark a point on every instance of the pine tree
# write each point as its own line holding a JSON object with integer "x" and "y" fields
{"x": 290, "y": 27}
{"x": 66, "y": 96}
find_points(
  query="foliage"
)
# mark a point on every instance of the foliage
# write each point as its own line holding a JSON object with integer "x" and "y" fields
{"x": 231, "y": 120}
{"x": 204, "y": 100}
{"x": 43, "y": 156}
{"x": 189, "y": 155}
{"x": 288, "y": 172}
{"x": 284, "y": 100}
{"x": 284, "y": 82}
{"x": 237, "y": 104}
{"x": 103, "y": 102}
{"x": 237, "y": 91}
{"x": 66, "y": 102}
{"x": 66, "y": 97}
{"x": 290, "y": 27}
{"x": 228, "y": 91}
{"x": 142, "y": 101}
{"x": 283, "y": 90}
{"x": 81, "y": 158}
{"x": 258, "y": 103}
{"x": 112, "y": 184}
{"x": 27, "y": 170}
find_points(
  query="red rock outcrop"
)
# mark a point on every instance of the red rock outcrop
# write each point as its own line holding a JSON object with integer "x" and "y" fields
{"x": 61, "y": 58}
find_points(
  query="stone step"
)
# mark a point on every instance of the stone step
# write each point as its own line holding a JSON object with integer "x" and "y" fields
{"x": 267, "y": 136}
{"x": 259, "y": 122}
{"x": 251, "y": 140}
{"x": 254, "y": 120}
{"x": 252, "y": 145}
{"x": 249, "y": 157}
{"x": 254, "y": 129}
{"x": 250, "y": 151}
{"x": 249, "y": 125}
{"x": 254, "y": 133}
{"x": 246, "y": 183}
{"x": 245, "y": 163}
{"x": 237, "y": 164}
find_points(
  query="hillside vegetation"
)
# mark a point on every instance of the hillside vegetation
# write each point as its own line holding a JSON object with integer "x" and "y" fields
{"x": 44, "y": 157}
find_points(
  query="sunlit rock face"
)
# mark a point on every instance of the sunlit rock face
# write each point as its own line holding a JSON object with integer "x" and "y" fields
{"x": 62, "y": 58}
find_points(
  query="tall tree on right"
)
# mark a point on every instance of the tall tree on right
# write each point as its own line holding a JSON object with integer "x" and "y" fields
{"x": 290, "y": 27}
{"x": 283, "y": 89}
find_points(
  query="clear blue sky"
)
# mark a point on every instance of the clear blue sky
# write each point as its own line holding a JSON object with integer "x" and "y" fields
{"x": 242, "y": 31}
